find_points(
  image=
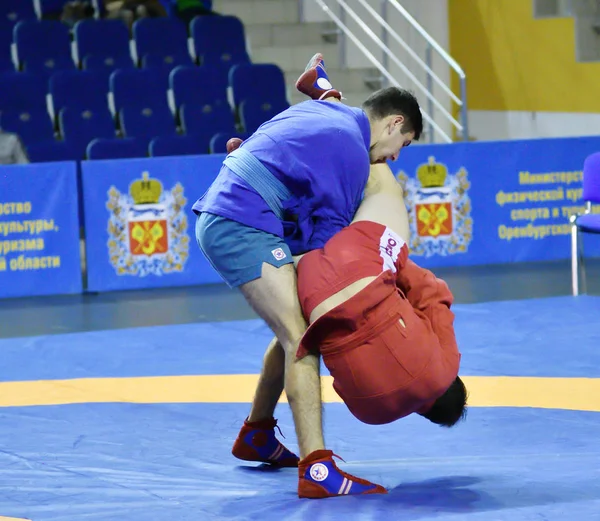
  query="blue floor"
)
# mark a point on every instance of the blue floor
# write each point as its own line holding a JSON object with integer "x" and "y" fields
{"x": 170, "y": 462}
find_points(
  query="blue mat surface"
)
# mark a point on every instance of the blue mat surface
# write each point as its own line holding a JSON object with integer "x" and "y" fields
{"x": 163, "y": 462}
{"x": 520, "y": 338}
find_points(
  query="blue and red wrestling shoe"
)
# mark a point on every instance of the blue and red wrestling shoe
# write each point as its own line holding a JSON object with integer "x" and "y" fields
{"x": 314, "y": 81}
{"x": 321, "y": 478}
{"x": 257, "y": 442}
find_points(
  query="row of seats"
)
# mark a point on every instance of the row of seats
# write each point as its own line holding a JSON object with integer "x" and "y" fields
{"x": 141, "y": 88}
{"x": 80, "y": 127}
{"x": 123, "y": 148}
{"x": 137, "y": 104}
{"x": 160, "y": 87}
{"x": 43, "y": 47}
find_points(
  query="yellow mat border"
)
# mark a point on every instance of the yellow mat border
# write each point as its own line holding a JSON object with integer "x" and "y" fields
{"x": 581, "y": 394}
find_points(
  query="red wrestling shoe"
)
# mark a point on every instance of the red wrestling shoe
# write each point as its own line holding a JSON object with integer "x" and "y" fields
{"x": 233, "y": 144}
{"x": 314, "y": 82}
{"x": 257, "y": 442}
{"x": 320, "y": 478}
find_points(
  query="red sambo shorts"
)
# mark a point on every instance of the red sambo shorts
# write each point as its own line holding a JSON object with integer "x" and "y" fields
{"x": 381, "y": 368}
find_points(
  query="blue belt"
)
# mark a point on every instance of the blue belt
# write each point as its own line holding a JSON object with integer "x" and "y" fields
{"x": 272, "y": 190}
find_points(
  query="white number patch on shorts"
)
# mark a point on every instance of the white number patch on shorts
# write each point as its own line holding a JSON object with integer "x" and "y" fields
{"x": 390, "y": 245}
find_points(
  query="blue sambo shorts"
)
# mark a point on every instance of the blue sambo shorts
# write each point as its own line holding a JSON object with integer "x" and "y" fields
{"x": 236, "y": 251}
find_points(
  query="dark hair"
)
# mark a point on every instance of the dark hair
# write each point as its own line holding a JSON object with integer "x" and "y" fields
{"x": 451, "y": 407}
{"x": 391, "y": 101}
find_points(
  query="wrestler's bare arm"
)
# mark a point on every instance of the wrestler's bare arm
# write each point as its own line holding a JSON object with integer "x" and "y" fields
{"x": 384, "y": 202}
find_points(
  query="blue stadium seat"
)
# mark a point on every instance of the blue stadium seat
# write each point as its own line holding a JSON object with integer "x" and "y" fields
{"x": 30, "y": 125}
{"x": 105, "y": 38}
{"x": 137, "y": 88}
{"x": 163, "y": 65}
{"x": 225, "y": 60}
{"x": 21, "y": 91}
{"x": 117, "y": 148}
{"x": 263, "y": 81}
{"x": 106, "y": 65}
{"x": 6, "y": 63}
{"x": 198, "y": 85}
{"x": 102, "y": 40}
{"x": 219, "y": 40}
{"x": 44, "y": 68}
{"x": 49, "y": 151}
{"x": 147, "y": 122}
{"x": 202, "y": 119}
{"x": 218, "y": 143}
{"x": 12, "y": 12}
{"x": 80, "y": 127}
{"x": 162, "y": 37}
{"x": 179, "y": 146}
{"x": 78, "y": 90}
{"x": 253, "y": 112}
{"x": 103, "y": 46}
{"x": 43, "y": 44}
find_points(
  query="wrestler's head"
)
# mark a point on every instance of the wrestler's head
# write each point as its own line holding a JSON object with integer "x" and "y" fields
{"x": 451, "y": 407}
{"x": 396, "y": 121}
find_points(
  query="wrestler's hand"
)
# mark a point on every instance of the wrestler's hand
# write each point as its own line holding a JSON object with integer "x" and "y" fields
{"x": 233, "y": 144}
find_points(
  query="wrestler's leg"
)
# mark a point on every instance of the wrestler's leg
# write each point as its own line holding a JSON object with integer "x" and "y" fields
{"x": 270, "y": 383}
{"x": 274, "y": 297}
{"x": 257, "y": 440}
{"x": 383, "y": 202}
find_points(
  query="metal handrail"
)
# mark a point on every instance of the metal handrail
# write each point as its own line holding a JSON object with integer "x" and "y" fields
{"x": 410, "y": 51}
{"x": 462, "y": 126}
{"x": 419, "y": 28}
{"x": 395, "y": 59}
{"x": 377, "y": 64}
{"x": 446, "y": 57}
